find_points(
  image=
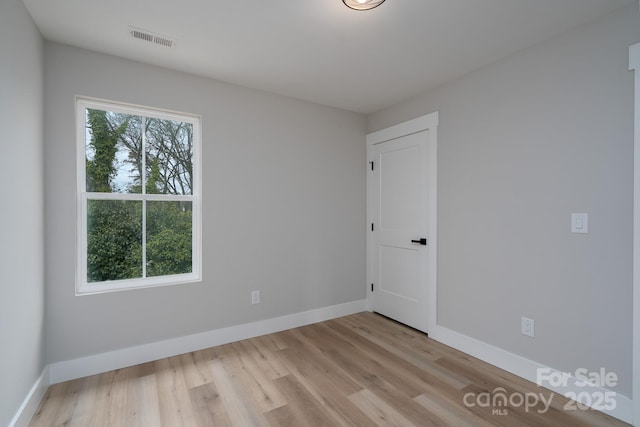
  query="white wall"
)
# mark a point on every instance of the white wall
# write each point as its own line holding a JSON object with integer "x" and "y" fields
{"x": 284, "y": 207}
{"x": 21, "y": 216}
{"x": 523, "y": 143}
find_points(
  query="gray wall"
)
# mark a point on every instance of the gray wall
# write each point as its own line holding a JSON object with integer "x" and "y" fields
{"x": 523, "y": 143}
{"x": 21, "y": 216}
{"x": 283, "y": 207}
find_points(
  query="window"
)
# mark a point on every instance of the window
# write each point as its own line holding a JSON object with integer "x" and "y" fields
{"x": 138, "y": 197}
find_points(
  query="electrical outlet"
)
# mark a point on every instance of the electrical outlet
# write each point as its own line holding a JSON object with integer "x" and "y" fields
{"x": 255, "y": 297}
{"x": 527, "y": 327}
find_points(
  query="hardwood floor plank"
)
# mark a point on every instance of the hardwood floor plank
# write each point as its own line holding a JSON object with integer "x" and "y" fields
{"x": 303, "y": 406}
{"x": 208, "y": 406}
{"x": 284, "y": 416}
{"x": 104, "y": 406}
{"x": 409, "y": 408}
{"x": 173, "y": 397}
{"x": 265, "y": 358}
{"x": 58, "y": 404}
{"x": 378, "y": 410}
{"x": 418, "y": 356}
{"x": 241, "y": 411}
{"x": 405, "y": 376}
{"x": 251, "y": 379}
{"x": 327, "y": 384}
{"x": 142, "y": 406}
{"x": 83, "y": 413}
{"x": 392, "y": 384}
{"x": 380, "y": 329}
{"x": 272, "y": 341}
{"x": 310, "y": 362}
{"x": 195, "y": 369}
{"x": 450, "y": 412}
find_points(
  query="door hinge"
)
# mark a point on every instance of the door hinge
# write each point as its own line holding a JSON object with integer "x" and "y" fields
{"x": 371, "y": 163}
{"x": 371, "y": 226}
{"x": 372, "y": 287}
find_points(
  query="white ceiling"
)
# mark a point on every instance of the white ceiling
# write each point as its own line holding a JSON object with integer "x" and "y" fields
{"x": 318, "y": 50}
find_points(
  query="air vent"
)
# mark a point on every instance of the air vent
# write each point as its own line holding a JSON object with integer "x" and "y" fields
{"x": 150, "y": 37}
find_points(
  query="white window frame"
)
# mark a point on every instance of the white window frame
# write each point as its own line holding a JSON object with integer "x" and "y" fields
{"x": 82, "y": 286}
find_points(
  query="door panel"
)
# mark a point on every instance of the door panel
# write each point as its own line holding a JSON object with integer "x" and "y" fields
{"x": 399, "y": 185}
{"x": 400, "y": 195}
{"x": 396, "y": 278}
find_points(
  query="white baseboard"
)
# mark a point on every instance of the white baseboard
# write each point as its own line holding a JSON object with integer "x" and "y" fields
{"x": 117, "y": 359}
{"x": 528, "y": 370}
{"x": 32, "y": 401}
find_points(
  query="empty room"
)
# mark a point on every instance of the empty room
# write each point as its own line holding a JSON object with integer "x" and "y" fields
{"x": 320, "y": 213}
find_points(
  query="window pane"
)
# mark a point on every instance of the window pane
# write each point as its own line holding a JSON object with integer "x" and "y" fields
{"x": 169, "y": 244}
{"x": 113, "y": 147}
{"x": 169, "y": 159}
{"x": 114, "y": 240}
{"x": 141, "y": 233}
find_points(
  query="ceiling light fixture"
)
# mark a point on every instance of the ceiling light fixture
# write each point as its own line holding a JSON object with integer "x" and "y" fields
{"x": 362, "y": 4}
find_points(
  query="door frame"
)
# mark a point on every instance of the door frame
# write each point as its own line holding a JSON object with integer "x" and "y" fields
{"x": 634, "y": 65}
{"x": 428, "y": 122}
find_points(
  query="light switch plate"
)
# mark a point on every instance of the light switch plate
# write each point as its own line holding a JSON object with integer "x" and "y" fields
{"x": 580, "y": 223}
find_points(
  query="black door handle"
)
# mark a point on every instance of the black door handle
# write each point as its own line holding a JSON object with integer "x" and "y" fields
{"x": 423, "y": 242}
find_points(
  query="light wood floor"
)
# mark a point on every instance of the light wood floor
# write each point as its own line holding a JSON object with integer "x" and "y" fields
{"x": 359, "y": 370}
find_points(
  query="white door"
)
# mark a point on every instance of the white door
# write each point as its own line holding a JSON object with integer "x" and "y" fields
{"x": 400, "y": 241}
